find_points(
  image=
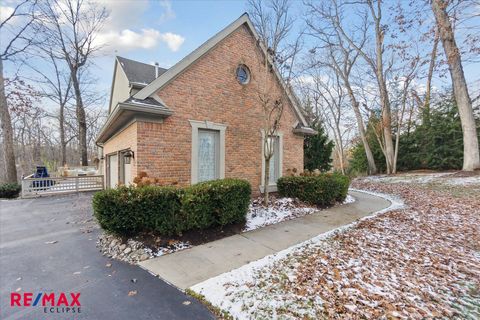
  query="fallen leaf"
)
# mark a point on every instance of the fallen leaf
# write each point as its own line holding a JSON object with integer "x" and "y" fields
{"x": 132, "y": 293}
{"x": 51, "y": 242}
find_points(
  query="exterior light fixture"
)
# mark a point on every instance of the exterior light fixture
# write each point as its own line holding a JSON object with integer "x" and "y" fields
{"x": 127, "y": 156}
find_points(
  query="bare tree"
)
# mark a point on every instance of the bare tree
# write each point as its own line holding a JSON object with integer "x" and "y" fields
{"x": 71, "y": 27}
{"x": 331, "y": 91}
{"x": 56, "y": 86}
{"x": 471, "y": 153}
{"x": 26, "y": 118}
{"x": 14, "y": 43}
{"x": 341, "y": 58}
{"x": 273, "y": 22}
{"x": 407, "y": 81}
{"x": 376, "y": 61}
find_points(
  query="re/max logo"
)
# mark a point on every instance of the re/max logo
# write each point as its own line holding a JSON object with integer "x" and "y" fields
{"x": 27, "y": 299}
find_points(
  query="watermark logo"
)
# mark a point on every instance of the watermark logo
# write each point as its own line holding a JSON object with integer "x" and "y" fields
{"x": 51, "y": 302}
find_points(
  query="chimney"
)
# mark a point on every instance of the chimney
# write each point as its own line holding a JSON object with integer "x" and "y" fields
{"x": 156, "y": 70}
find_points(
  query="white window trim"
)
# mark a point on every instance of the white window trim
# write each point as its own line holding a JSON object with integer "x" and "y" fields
{"x": 211, "y": 126}
{"x": 272, "y": 187}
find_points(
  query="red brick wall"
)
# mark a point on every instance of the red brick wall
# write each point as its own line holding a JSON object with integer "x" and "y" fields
{"x": 208, "y": 90}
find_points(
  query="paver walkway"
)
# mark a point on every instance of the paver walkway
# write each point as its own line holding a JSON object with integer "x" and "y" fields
{"x": 188, "y": 267}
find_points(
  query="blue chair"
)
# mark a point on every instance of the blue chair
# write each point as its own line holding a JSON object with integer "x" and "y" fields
{"x": 42, "y": 172}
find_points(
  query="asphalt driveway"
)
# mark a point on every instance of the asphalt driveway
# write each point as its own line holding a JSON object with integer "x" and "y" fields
{"x": 47, "y": 245}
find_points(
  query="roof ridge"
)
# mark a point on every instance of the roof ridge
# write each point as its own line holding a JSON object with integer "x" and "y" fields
{"x": 147, "y": 64}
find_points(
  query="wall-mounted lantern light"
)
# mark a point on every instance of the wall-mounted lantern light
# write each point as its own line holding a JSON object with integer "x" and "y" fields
{"x": 127, "y": 156}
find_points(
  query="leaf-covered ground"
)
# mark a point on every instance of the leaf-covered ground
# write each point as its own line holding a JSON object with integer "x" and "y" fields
{"x": 419, "y": 262}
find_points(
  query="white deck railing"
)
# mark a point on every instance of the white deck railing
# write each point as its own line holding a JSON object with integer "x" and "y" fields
{"x": 36, "y": 187}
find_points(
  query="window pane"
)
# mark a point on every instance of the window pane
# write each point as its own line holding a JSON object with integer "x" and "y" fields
{"x": 207, "y": 155}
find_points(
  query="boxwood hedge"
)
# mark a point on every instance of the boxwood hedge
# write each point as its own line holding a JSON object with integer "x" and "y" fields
{"x": 322, "y": 190}
{"x": 167, "y": 210}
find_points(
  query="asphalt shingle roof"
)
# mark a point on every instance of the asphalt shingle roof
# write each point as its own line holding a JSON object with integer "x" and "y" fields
{"x": 139, "y": 72}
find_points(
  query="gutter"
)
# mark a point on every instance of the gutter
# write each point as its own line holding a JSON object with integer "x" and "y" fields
{"x": 125, "y": 106}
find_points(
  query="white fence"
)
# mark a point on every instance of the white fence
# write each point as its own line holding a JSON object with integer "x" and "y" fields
{"x": 36, "y": 187}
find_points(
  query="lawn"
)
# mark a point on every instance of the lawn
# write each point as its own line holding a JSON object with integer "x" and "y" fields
{"x": 422, "y": 260}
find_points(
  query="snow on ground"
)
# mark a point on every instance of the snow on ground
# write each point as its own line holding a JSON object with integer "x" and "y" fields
{"x": 171, "y": 248}
{"x": 279, "y": 209}
{"x": 421, "y": 261}
{"x": 445, "y": 178}
{"x": 349, "y": 199}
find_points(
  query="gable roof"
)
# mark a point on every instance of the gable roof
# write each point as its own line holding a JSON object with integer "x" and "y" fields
{"x": 139, "y": 72}
{"x": 183, "y": 64}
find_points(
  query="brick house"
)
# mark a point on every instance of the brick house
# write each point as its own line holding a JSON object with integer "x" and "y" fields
{"x": 200, "y": 119}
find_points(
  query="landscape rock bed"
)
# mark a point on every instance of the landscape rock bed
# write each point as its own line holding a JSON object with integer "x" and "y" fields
{"x": 133, "y": 251}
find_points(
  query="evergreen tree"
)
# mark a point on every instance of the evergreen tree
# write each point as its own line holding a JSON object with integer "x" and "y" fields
{"x": 318, "y": 150}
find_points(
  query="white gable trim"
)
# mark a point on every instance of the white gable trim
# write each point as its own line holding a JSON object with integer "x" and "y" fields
{"x": 174, "y": 71}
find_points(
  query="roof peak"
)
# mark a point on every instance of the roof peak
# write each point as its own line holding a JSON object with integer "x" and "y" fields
{"x": 132, "y": 60}
{"x": 139, "y": 72}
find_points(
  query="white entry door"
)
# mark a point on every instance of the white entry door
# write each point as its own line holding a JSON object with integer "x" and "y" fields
{"x": 113, "y": 170}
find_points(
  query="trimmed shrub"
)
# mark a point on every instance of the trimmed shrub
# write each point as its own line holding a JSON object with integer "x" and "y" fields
{"x": 321, "y": 190}
{"x": 167, "y": 210}
{"x": 217, "y": 202}
{"x": 129, "y": 210}
{"x": 9, "y": 190}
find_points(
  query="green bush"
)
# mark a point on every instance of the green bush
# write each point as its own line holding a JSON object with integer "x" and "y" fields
{"x": 9, "y": 190}
{"x": 167, "y": 211}
{"x": 321, "y": 190}
{"x": 217, "y": 202}
{"x": 129, "y": 210}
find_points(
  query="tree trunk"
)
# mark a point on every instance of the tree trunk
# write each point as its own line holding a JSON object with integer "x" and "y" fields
{"x": 428, "y": 90}
{"x": 372, "y": 168}
{"x": 382, "y": 86}
{"x": 471, "y": 153}
{"x": 81, "y": 120}
{"x": 6, "y": 123}
{"x": 63, "y": 144}
{"x": 339, "y": 147}
{"x": 399, "y": 126}
{"x": 386, "y": 117}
